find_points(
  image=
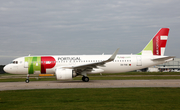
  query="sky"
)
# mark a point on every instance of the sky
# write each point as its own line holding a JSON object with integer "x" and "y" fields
{"x": 65, "y": 27}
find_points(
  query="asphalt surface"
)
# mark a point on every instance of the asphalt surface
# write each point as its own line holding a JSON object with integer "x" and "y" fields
{"x": 90, "y": 84}
{"x": 35, "y": 76}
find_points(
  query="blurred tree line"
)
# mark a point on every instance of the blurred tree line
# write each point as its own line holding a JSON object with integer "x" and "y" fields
{"x": 1, "y": 69}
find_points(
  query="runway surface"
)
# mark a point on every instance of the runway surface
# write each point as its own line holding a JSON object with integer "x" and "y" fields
{"x": 90, "y": 84}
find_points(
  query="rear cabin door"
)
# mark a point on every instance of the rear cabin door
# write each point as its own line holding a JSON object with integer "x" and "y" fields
{"x": 139, "y": 61}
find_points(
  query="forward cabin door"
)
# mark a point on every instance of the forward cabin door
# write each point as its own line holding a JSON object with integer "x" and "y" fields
{"x": 139, "y": 61}
{"x": 26, "y": 64}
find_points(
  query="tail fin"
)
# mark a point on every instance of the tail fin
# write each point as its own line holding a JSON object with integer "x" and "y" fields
{"x": 157, "y": 44}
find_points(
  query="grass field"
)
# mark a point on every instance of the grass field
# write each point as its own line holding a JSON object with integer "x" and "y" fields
{"x": 92, "y": 99}
{"x": 118, "y": 76}
{"x": 125, "y": 73}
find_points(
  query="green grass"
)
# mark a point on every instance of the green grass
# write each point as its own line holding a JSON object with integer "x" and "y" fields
{"x": 92, "y": 99}
{"x": 23, "y": 79}
{"x": 5, "y": 74}
{"x": 130, "y": 78}
{"x": 140, "y": 73}
{"x": 95, "y": 78}
{"x": 118, "y": 76}
{"x": 126, "y": 73}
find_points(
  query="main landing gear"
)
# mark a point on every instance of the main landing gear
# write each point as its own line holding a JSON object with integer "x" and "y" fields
{"x": 85, "y": 78}
{"x": 27, "y": 79}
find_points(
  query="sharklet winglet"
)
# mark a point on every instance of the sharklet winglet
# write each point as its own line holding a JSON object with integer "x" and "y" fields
{"x": 113, "y": 55}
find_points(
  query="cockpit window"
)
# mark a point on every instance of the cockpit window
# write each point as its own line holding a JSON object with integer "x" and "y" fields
{"x": 14, "y": 62}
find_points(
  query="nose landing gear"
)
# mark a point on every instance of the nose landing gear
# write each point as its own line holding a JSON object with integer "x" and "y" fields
{"x": 27, "y": 79}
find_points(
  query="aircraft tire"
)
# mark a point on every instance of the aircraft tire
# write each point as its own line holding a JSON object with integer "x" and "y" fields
{"x": 27, "y": 80}
{"x": 86, "y": 79}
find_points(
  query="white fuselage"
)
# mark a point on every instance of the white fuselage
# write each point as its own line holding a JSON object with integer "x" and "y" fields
{"x": 121, "y": 63}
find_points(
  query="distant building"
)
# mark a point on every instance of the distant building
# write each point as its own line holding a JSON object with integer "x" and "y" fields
{"x": 170, "y": 66}
{"x": 153, "y": 69}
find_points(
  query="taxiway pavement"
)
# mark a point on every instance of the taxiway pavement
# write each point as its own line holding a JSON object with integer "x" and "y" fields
{"x": 90, "y": 84}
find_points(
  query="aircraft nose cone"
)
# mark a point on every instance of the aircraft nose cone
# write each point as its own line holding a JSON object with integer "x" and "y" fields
{"x": 5, "y": 69}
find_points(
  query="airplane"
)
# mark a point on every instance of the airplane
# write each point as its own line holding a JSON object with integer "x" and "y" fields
{"x": 70, "y": 66}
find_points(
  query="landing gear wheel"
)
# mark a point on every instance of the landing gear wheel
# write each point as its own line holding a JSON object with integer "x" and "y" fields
{"x": 85, "y": 79}
{"x": 27, "y": 80}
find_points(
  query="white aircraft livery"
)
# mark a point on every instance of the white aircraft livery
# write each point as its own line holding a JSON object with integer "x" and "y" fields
{"x": 69, "y": 66}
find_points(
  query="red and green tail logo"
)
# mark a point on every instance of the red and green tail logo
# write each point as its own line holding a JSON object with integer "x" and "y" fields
{"x": 157, "y": 45}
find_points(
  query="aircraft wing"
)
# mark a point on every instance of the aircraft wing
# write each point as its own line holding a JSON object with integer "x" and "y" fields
{"x": 93, "y": 65}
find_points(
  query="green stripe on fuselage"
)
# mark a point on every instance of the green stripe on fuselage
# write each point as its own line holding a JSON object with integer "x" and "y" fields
{"x": 34, "y": 64}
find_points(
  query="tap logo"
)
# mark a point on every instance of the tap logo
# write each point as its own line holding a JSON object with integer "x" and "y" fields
{"x": 40, "y": 63}
{"x": 159, "y": 42}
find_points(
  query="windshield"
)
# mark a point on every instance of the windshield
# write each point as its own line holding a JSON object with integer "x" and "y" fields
{"x": 14, "y": 62}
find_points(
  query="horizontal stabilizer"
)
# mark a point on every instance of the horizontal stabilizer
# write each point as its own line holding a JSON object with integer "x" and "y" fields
{"x": 162, "y": 58}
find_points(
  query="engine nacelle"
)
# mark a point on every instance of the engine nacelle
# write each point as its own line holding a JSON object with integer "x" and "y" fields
{"x": 65, "y": 73}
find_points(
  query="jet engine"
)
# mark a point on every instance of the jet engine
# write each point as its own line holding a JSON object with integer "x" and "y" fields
{"x": 65, "y": 73}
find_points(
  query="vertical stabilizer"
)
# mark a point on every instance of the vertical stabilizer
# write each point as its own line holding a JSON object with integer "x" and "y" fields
{"x": 157, "y": 44}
